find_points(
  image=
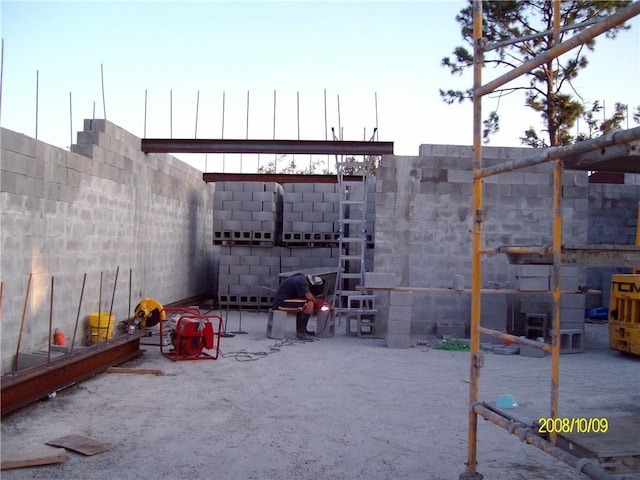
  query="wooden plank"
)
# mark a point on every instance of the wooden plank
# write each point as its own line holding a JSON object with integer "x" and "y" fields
{"x": 77, "y": 443}
{"x": 138, "y": 371}
{"x": 622, "y": 438}
{"x": 33, "y": 458}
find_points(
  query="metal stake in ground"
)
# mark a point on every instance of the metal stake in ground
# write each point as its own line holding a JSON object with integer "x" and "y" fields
{"x": 75, "y": 329}
{"x": 226, "y": 317}
{"x": 113, "y": 294}
{"x": 24, "y": 312}
{"x": 240, "y": 331}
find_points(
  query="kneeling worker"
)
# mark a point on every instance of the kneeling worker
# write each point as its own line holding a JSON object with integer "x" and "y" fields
{"x": 294, "y": 295}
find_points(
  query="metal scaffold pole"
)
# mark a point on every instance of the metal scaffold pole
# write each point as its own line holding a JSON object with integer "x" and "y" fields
{"x": 558, "y": 155}
{"x": 476, "y": 359}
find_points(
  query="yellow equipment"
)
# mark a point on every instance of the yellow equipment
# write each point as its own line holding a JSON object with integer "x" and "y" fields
{"x": 624, "y": 314}
{"x": 149, "y": 313}
{"x": 624, "y": 308}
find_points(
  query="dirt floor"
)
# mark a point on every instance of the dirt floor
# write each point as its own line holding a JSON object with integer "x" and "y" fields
{"x": 337, "y": 408}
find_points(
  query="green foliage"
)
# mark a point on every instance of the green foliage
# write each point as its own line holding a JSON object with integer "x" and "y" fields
{"x": 291, "y": 166}
{"x": 545, "y": 86}
{"x": 372, "y": 160}
{"x": 597, "y": 126}
{"x": 314, "y": 165}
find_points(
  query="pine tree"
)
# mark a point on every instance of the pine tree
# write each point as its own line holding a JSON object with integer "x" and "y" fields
{"x": 548, "y": 88}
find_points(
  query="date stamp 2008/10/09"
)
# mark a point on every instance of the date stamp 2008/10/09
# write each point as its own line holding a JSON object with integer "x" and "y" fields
{"x": 573, "y": 425}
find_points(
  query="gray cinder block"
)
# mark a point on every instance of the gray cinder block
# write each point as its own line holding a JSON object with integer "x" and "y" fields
{"x": 280, "y": 324}
{"x": 243, "y": 196}
{"x": 531, "y": 284}
{"x": 400, "y": 299}
{"x": 250, "y": 205}
{"x": 312, "y": 197}
{"x": 398, "y": 341}
{"x": 533, "y": 271}
{"x": 374, "y": 279}
{"x": 447, "y": 329}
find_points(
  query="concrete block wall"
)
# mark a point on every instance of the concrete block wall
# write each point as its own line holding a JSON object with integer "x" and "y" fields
{"x": 248, "y": 275}
{"x": 306, "y": 238}
{"x": 249, "y": 266}
{"x": 424, "y": 220}
{"x": 398, "y": 327}
{"x": 102, "y": 208}
{"x": 310, "y": 213}
{"x": 247, "y": 212}
{"x": 613, "y": 218}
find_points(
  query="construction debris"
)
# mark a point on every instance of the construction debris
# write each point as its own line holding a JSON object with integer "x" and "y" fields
{"x": 79, "y": 444}
{"x": 33, "y": 458}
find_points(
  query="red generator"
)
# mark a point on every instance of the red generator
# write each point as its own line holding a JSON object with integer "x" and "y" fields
{"x": 190, "y": 335}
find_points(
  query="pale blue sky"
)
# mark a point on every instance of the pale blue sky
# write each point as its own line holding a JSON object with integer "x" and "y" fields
{"x": 354, "y": 50}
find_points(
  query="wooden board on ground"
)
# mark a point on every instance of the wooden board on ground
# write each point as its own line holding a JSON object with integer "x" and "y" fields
{"x": 620, "y": 440}
{"x": 80, "y": 444}
{"x": 32, "y": 458}
{"x": 138, "y": 371}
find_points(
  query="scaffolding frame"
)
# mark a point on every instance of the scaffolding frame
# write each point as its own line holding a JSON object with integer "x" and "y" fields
{"x": 553, "y": 154}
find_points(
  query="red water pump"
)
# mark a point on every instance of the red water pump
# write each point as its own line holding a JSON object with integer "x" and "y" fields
{"x": 191, "y": 334}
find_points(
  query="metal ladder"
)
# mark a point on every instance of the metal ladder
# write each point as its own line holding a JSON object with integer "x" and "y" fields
{"x": 354, "y": 305}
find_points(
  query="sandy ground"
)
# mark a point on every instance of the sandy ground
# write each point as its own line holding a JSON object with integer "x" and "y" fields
{"x": 337, "y": 408}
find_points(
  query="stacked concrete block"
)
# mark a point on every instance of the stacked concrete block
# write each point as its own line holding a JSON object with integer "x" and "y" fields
{"x": 399, "y": 322}
{"x": 493, "y": 315}
{"x": 534, "y": 278}
{"x": 248, "y": 275}
{"x": 247, "y": 213}
{"x": 384, "y": 280}
{"x": 101, "y": 206}
{"x": 310, "y": 213}
{"x": 572, "y": 309}
{"x": 371, "y": 222}
{"x": 446, "y": 329}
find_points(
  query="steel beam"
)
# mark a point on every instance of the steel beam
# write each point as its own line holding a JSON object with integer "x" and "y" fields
{"x": 272, "y": 177}
{"x": 528, "y": 435}
{"x": 578, "y": 255}
{"x": 624, "y": 163}
{"x": 26, "y": 386}
{"x": 310, "y": 147}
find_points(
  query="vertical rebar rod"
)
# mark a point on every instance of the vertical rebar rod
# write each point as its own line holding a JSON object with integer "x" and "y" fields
{"x": 339, "y": 124}
{"x": 298, "y": 112}
{"x": 130, "y": 288}
{"x": 197, "y": 108}
{"x": 145, "y": 114}
{"x": 375, "y": 97}
{"x": 99, "y": 304}
{"x": 170, "y": 113}
{"x": 1, "y": 73}
{"x": 24, "y": 313}
{"x": 275, "y": 155}
{"x": 557, "y": 252}
{"x": 113, "y": 295}
{"x": 37, "y": 88}
{"x": 104, "y": 103}
{"x": 75, "y": 329}
{"x": 246, "y": 129}
{"x": 247, "y": 126}
{"x": 50, "y": 322}
{"x": 326, "y": 137}
{"x": 297, "y": 118}
{"x": 475, "y": 359}
{"x": 222, "y": 133}
{"x": 70, "y": 121}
